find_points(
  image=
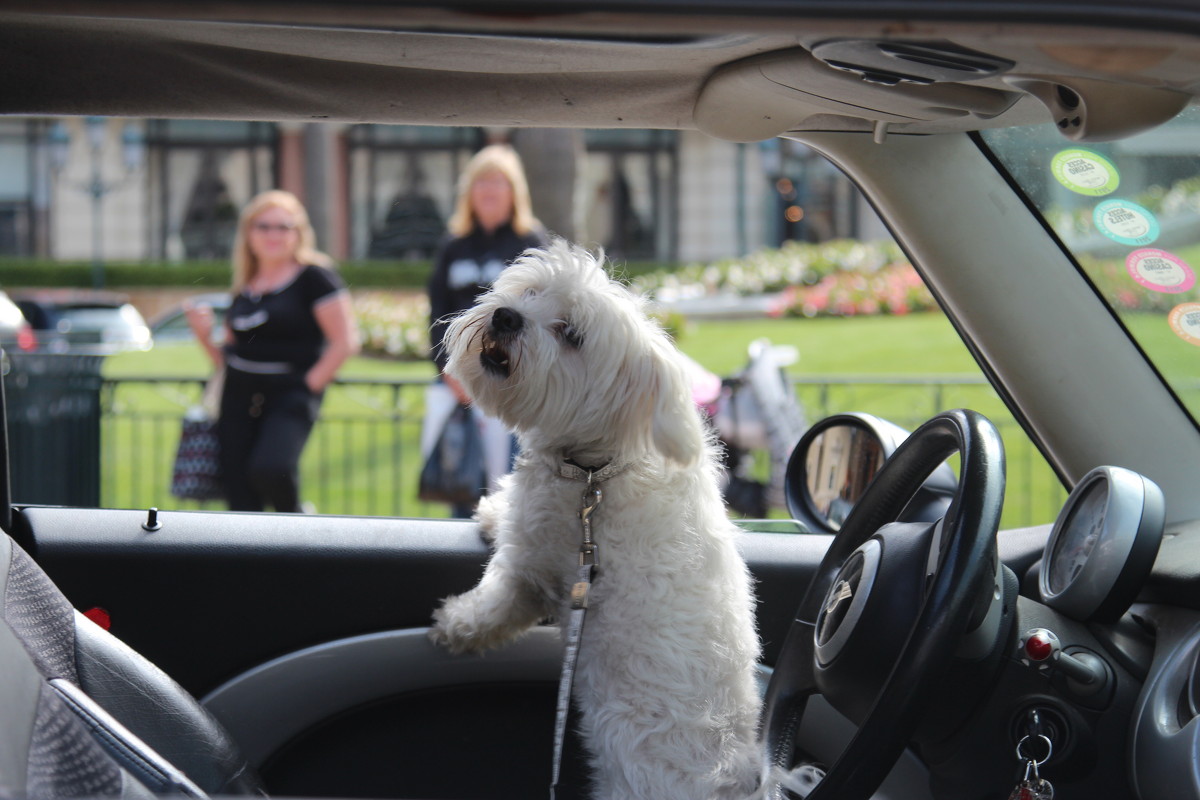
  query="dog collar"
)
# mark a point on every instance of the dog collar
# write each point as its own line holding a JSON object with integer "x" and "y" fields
{"x": 572, "y": 471}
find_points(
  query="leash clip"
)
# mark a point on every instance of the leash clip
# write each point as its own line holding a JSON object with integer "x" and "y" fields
{"x": 591, "y": 499}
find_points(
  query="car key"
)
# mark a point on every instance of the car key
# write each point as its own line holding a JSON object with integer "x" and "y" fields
{"x": 1033, "y": 786}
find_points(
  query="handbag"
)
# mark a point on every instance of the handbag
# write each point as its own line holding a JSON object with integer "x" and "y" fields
{"x": 196, "y": 474}
{"x": 454, "y": 471}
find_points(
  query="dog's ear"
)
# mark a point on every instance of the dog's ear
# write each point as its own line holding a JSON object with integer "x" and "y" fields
{"x": 675, "y": 426}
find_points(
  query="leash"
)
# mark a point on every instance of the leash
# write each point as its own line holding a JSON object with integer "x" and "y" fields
{"x": 580, "y": 590}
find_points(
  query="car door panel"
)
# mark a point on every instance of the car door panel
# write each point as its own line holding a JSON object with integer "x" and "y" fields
{"x": 210, "y": 595}
{"x": 305, "y": 636}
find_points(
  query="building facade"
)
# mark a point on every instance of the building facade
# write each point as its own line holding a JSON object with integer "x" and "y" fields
{"x": 107, "y": 189}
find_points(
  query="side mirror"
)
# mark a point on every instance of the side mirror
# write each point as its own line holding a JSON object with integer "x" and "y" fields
{"x": 835, "y": 461}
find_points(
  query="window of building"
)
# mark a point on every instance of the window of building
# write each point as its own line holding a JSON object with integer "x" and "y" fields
{"x": 18, "y": 223}
{"x": 201, "y": 173}
{"x": 402, "y": 186}
{"x": 630, "y": 193}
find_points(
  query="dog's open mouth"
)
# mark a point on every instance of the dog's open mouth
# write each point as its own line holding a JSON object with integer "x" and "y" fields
{"x": 494, "y": 358}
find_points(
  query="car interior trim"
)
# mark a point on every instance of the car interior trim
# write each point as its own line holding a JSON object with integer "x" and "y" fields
{"x": 259, "y": 707}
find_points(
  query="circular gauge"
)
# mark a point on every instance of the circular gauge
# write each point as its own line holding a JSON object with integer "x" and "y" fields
{"x": 1084, "y": 524}
{"x": 1103, "y": 544}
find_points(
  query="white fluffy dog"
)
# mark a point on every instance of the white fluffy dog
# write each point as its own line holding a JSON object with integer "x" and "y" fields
{"x": 665, "y": 680}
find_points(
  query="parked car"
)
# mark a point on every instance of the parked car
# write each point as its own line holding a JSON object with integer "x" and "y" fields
{"x": 1038, "y": 163}
{"x": 171, "y": 325}
{"x": 73, "y": 321}
{"x": 16, "y": 333}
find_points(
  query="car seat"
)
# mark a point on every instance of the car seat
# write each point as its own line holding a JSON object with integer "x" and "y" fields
{"x": 136, "y": 721}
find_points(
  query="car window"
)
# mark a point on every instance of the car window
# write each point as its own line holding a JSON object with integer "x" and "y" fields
{"x": 1129, "y": 213}
{"x": 794, "y": 257}
{"x": 90, "y": 319}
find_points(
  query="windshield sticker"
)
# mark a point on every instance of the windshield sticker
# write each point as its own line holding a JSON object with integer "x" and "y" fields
{"x": 1125, "y": 222}
{"x": 1160, "y": 271}
{"x": 1184, "y": 319}
{"x": 1085, "y": 172}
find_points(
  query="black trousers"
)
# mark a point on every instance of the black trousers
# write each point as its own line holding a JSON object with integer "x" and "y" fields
{"x": 265, "y": 423}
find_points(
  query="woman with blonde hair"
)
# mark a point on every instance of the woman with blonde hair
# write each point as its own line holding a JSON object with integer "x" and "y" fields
{"x": 289, "y": 328}
{"x": 492, "y": 224}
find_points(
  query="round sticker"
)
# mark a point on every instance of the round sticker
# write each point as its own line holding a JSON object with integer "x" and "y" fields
{"x": 1085, "y": 172}
{"x": 1160, "y": 271}
{"x": 1125, "y": 222}
{"x": 1184, "y": 319}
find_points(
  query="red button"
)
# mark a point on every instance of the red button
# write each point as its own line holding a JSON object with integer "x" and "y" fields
{"x": 1038, "y": 647}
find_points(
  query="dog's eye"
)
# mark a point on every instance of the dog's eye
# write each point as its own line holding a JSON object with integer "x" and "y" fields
{"x": 529, "y": 294}
{"x": 570, "y": 335}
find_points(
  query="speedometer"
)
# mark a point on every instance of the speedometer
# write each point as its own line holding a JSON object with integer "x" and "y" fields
{"x": 1082, "y": 528}
{"x": 1103, "y": 544}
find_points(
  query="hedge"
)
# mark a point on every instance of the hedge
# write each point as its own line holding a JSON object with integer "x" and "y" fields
{"x": 215, "y": 274}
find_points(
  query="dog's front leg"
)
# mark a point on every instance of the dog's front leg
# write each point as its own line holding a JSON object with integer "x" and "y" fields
{"x": 505, "y": 604}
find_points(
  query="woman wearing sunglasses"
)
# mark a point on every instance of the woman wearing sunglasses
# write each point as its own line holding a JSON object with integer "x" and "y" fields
{"x": 289, "y": 328}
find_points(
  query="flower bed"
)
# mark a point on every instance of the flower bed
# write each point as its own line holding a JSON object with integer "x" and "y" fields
{"x": 393, "y": 325}
{"x": 836, "y": 278}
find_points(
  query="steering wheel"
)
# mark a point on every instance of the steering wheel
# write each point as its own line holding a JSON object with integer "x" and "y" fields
{"x": 941, "y": 589}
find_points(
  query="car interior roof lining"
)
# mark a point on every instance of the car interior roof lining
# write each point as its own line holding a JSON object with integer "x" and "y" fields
{"x": 218, "y": 66}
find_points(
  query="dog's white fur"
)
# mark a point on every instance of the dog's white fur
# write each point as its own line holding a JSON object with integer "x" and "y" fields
{"x": 665, "y": 679}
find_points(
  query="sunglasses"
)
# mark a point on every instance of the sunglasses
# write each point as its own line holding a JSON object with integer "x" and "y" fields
{"x": 267, "y": 227}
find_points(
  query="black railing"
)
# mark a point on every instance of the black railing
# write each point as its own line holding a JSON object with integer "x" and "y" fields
{"x": 363, "y": 458}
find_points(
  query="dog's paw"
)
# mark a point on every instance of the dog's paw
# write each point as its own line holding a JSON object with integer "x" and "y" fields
{"x": 487, "y": 514}
{"x": 453, "y": 627}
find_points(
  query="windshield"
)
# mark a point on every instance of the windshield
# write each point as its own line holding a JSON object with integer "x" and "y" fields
{"x": 1129, "y": 212}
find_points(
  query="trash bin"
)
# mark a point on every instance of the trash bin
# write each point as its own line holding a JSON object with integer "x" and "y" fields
{"x": 53, "y": 411}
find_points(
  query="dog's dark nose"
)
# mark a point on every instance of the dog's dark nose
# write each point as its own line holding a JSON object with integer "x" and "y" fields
{"x": 505, "y": 320}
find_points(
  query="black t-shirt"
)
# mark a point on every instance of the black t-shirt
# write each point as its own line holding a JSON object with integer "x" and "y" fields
{"x": 464, "y": 269}
{"x": 279, "y": 327}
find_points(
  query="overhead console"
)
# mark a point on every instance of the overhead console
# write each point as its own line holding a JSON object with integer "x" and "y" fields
{"x": 915, "y": 87}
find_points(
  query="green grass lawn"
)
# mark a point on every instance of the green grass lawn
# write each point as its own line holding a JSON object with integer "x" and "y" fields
{"x": 363, "y": 457}
{"x": 904, "y": 347}
{"x": 892, "y": 346}
{"x": 186, "y": 360}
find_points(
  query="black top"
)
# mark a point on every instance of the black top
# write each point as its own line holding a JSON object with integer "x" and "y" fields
{"x": 280, "y": 327}
{"x": 465, "y": 268}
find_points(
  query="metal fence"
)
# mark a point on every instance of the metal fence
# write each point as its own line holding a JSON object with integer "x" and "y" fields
{"x": 363, "y": 458}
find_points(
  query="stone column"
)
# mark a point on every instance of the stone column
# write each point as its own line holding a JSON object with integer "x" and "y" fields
{"x": 291, "y": 158}
{"x": 326, "y": 185}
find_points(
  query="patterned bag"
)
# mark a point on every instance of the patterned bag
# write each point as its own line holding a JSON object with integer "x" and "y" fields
{"x": 197, "y": 472}
{"x": 454, "y": 471}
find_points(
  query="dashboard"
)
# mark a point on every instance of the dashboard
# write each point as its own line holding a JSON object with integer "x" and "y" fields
{"x": 1116, "y": 633}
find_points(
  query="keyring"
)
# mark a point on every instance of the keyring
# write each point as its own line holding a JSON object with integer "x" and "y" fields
{"x": 1021, "y": 756}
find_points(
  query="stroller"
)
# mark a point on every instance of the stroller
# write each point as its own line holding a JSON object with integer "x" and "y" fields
{"x": 754, "y": 413}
